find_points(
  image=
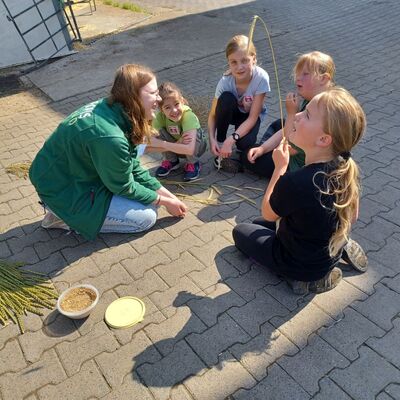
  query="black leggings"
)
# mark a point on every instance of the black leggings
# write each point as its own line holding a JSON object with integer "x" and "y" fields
{"x": 227, "y": 113}
{"x": 255, "y": 240}
{"x": 264, "y": 165}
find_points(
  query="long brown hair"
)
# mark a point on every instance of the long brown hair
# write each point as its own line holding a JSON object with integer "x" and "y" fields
{"x": 344, "y": 120}
{"x": 169, "y": 90}
{"x": 128, "y": 81}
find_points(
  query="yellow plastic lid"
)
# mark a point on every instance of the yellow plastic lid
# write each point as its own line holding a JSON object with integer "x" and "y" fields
{"x": 125, "y": 312}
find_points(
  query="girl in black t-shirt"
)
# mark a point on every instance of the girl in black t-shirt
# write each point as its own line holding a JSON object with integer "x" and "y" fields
{"x": 316, "y": 205}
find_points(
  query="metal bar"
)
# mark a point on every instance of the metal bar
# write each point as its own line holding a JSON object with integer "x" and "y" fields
{"x": 47, "y": 39}
{"x": 69, "y": 4}
{"x": 39, "y": 23}
{"x": 26, "y": 9}
{"x": 47, "y": 28}
{"x": 38, "y": 65}
{"x": 18, "y": 30}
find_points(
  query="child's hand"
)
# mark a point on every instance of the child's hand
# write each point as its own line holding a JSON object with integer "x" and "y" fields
{"x": 186, "y": 138}
{"x": 254, "y": 153}
{"x": 214, "y": 148}
{"x": 226, "y": 149}
{"x": 292, "y": 103}
{"x": 281, "y": 155}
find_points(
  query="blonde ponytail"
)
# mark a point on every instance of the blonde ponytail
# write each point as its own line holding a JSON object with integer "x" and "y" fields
{"x": 345, "y": 121}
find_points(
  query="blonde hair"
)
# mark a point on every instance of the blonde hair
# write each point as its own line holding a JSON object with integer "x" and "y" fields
{"x": 169, "y": 90}
{"x": 344, "y": 120}
{"x": 318, "y": 63}
{"x": 128, "y": 81}
{"x": 240, "y": 42}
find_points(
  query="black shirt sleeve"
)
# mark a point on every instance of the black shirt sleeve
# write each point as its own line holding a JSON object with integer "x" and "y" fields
{"x": 285, "y": 197}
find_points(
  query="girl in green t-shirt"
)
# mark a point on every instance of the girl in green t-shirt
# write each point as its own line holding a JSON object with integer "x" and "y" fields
{"x": 180, "y": 134}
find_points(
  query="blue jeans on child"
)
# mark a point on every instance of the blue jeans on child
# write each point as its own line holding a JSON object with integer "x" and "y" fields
{"x": 128, "y": 216}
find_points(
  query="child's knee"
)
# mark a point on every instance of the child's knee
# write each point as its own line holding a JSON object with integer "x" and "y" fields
{"x": 227, "y": 100}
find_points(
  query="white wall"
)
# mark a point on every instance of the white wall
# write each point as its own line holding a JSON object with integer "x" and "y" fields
{"x": 12, "y": 48}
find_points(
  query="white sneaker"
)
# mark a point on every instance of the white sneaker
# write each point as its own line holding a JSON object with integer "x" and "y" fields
{"x": 51, "y": 221}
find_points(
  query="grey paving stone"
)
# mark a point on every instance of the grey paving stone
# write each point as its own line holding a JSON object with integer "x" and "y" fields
{"x": 319, "y": 357}
{"x": 335, "y": 301}
{"x": 263, "y": 350}
{"x": 131, "y": 388}
{"x": 115, "y": 366}
{"x": 393, "y": 390}
{"x": 15, "y": 386}
{"x": 106, "y": 258}
{"x": 329, "y": 390}
{"x": 380, "y": 307}
{"x": 361, "y": 385}
{"x": 137, "y": 266}
{"x": 172, "y": 272}
{"x": 220, "y": 381}
{"x": 34, "y": 344}
{"x": 74, "y": 354}
{"x": 168, "y": 297}
{"x": 181, "y": 244}
{"x": 166, "y": 334}
{"x": 383, "y": 396}
{"x": 170, "y": 370}
{"x": 257, "y": 311}
{"x": 149, "y": 283}
{"x": 211, "y": 275}
{"x": 300, "y": 324}
{"x": 277, "y": 385}
{"x": 72, "y": 389}
{"x": 217, "y": 339}
{"x": 387, "y": 346}
{"x": 13, "y": 359}
{"x": 219, "y": 298}
{"x": 248, "y": 284}
{"x": 347, "y": 335}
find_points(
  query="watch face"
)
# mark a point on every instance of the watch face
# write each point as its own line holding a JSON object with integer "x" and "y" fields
{"x": 236, "y": 136}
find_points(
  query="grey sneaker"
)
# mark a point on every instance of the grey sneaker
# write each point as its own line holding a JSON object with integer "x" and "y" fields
{"x": 228, "y": 165}
{"x": 328, "y": 282}
{"x": 354, "y": 255}
{"x": 51, "y": 221}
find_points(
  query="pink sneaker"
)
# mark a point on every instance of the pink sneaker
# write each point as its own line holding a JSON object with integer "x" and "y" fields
{"x": 166, "y": 167}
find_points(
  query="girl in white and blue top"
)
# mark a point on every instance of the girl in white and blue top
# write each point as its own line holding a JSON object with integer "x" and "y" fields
{"x": 239, "y": 100}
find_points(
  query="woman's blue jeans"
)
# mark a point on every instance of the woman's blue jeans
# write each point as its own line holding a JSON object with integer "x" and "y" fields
{"x": 128, "y": 216}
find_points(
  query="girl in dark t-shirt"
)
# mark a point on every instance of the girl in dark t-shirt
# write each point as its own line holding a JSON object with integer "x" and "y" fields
{"x": 316, "y": 205}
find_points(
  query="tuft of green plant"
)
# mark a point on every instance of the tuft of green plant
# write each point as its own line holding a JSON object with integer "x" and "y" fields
{"x": 126, "y": 6}
{"x": 23, "y": 291}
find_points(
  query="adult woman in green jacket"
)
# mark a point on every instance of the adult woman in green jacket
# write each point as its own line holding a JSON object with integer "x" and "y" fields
{"x": 88, "y": 172}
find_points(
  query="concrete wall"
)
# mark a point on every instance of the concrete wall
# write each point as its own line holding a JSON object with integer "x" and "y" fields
{"x": 12, "y": 48}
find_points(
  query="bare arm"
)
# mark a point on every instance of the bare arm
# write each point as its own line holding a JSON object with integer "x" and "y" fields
{"x": 186, "y": 147}
{"x": 211, "y": 128}
{"x": 281, "y": 161}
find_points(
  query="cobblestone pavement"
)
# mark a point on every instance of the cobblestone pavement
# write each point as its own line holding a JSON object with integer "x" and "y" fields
{"x": 218, "y": 326}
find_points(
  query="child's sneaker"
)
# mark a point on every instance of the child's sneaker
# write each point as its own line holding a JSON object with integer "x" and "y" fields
{"x": 192, "y": 171}
{"x": 354, "y": 255}
{"x": 228, "y": 165}
{"x": 328, "y": 282}
{"x": 51, "y": 221}
{"x": 166, "y": 167}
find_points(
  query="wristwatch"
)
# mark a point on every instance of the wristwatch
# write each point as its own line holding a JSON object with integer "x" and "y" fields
{"x": 235, "y": 136}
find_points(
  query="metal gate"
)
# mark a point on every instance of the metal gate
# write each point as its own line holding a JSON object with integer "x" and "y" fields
{"x": 42, "y": 26}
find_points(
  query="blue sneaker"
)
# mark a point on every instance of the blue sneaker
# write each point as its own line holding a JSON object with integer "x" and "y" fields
{"x": 192, "y": 171}
{"x": 166, "y": 167}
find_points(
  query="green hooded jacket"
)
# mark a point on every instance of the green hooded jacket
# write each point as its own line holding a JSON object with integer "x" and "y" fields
{"x": 86, "y": 160}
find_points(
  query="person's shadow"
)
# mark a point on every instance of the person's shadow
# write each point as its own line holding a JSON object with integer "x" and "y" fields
{"x": 237, "y": 320}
